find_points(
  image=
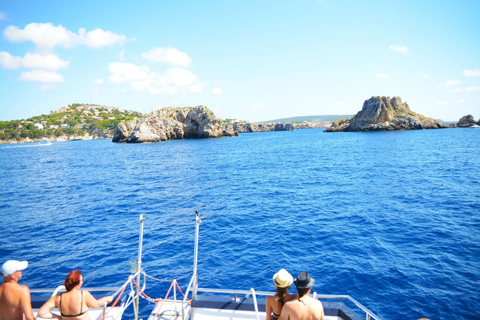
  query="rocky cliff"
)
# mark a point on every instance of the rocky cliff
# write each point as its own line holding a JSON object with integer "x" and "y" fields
{"x": 172, "y": 123}
{"x": 467, "y": 121}
{"x": 261, "y": 127}
{"x": 385, "y": 114}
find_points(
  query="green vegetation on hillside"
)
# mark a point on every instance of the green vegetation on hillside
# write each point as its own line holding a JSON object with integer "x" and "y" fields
{"x": 75, "y": 120}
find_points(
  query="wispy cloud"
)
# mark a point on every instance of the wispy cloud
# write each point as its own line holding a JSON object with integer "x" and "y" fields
{"x": 381, "y": 75}
{"x": 169, "y": 56}
{"x": 337, "y": 103}
{"x": 442, "y": 103}
{"x": 41, "y": 76}
{"x": 99, "y": 82}
{"x": 217, "y": 91}
{"x": 257, "y": 105}
{"x": 472, "y": 89}
{"x": 143, "y": 79}
{"x": 46, "y": 36}
{"x": 425, "y": 76}
{"x": 32, "y": 61}
{"x": 461, "y": 101}
{"x": 3, "y": 16}
{"x": 397, "y": 48}
{"x": 472, "y": 73}
{"x": 449, "y": 83}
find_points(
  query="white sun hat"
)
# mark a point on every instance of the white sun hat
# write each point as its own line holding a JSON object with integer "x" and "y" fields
{"x": 282, "y": 278}
{"x": 12, "y": 266}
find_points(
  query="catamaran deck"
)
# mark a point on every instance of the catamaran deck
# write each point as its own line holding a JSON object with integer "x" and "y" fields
{"x": 225, "y": 308}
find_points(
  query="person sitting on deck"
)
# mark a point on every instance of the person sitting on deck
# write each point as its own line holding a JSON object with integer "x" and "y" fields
{"x": 15, "y": 301}
{"x": 274, "y": 303}
{"x": 304, "y": 307}
{"x": 74, "y": 303}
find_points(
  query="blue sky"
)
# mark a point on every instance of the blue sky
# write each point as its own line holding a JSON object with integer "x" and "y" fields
{"x": 249, "y": 60}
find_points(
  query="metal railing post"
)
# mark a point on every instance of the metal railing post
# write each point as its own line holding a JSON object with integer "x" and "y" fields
{"x": 195, "y": 256}
{"x": 139, "y": 266}
{"x": 175, "y": 297}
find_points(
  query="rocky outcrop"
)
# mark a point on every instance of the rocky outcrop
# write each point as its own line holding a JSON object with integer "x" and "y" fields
{"x": 172, "y": 123}
{"x": 467, "y": 121}
{"x": 262, "y": 127}
{"x": 385, "y": 114}
{"x": 310, "y": 125}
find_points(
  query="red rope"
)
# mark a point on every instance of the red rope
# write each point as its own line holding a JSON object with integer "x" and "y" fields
{"x": 115, "y": 303}
{"x": 159, "y": 299}
{"x": 171, "y": 286}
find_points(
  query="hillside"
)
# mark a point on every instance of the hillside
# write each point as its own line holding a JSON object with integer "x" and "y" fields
{"x": 81, "y": 121}
{"x": 321, "y": 118}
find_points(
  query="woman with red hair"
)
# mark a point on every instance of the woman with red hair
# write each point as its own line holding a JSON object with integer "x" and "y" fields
{"x": 74, "y": 303}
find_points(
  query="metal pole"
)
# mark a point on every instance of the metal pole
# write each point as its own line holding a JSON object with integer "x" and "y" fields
{"x": 195, "y": 256}
{"x": 139, "y": 265}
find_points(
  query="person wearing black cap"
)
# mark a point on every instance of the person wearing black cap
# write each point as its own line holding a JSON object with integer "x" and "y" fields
{"x": 15, "y": 302}
{"x": 304, "y": 307}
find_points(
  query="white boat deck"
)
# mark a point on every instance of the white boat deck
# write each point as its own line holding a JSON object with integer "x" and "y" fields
{"x": 171, "y": 310}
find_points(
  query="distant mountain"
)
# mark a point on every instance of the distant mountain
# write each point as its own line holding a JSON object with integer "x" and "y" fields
{"x": 322, "y": 118}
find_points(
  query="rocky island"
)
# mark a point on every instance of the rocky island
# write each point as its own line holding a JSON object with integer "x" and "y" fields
{"x": 173, "y": 123}
{"x": 385, "y": 114}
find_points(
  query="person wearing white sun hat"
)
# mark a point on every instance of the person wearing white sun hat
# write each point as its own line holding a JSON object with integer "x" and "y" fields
{"x": 15, "y": 301}
{"x": 274, "y": 303}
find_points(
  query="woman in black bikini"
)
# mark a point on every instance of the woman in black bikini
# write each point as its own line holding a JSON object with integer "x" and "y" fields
{"x": 274, "y": 304}
{"x": 73, "y": 304}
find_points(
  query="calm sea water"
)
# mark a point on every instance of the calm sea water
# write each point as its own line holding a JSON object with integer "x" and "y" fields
{"x": 390, "y": 218}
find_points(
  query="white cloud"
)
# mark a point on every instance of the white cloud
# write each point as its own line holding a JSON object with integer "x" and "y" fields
{"x": 442, "y": 103}
{"x": 401, "y": 49}
{"x": 48, "y": 62}
{"x": 41, "y": 76}
{"x": 472, "y": 89}
{"x": 99, "y": 38}
{"x": 47, "y": 87}
{"x": 424, "y": 76}
{"x": 142, "y": 79}
{"x": 99, "y": 82}
{"x": 7, "y": 61}
{"x": 32, "y": 61}
{"x": 169, "y": 56}
{"x": 472, "y": 73}
{"x": 217, "y": 91}
{"x": 457, "y": 90}
{"x": 449, "y": 83}
{"x": 197, "y": 87}
{"x": 124, "y": 72}
{"x": 381, "y": 75}
{"x": 257, "y": 105}
{"x": 461, "y": 101}
{"x": 337, "y": 103}
{"x": 122, "y": 55}
{"x": 3, "y": 16}
{"x": 47, "y": 36}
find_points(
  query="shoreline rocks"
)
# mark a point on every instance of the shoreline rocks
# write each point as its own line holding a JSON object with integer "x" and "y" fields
{"x": 385, "y": 114}
{"x": 172, "y": 123}
{"x": 467, "y": 121}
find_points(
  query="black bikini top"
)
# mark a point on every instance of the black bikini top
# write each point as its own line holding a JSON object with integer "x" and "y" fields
{"x": 72, "y": 315}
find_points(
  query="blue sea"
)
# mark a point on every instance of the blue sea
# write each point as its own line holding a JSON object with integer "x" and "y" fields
{"x": 390, "y": 218}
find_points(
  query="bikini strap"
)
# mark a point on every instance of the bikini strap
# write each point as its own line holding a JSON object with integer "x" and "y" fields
{"x": 81, "y": 305}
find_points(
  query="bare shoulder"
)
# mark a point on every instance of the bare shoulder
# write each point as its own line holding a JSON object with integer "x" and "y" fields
{"x": 291, "y": 296}
{"x": 24, "y": 289}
